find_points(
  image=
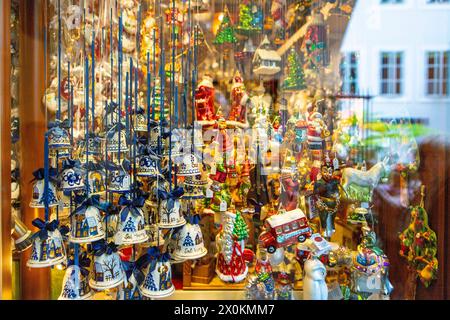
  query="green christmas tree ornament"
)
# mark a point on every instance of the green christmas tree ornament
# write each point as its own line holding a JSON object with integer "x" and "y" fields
{"x": 225, "y": 34}
{"x": 240, "y": 227}
{"x": 295, "y": 79}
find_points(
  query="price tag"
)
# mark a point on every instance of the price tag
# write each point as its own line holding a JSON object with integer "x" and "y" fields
{"x": 365, "y": 205}
{"x": 335, "y": 164}
{"x": 223, "y": 206}
{"x": 213, "y": 168}
{"x": 209, "y": 193}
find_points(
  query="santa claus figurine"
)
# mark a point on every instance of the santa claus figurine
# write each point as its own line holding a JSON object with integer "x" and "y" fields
{"x": 239, "y": 99}
{"x": 204, "y": 101}
{"x": 231, "y": 266}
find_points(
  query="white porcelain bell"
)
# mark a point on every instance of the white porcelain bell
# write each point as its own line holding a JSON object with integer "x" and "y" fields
{"x": 58, "y": 137}
{"x": 76, "y": 284}
{"x": 189, "y": 243}
{"x": 140, "y": 122}
{"x": 131, "y": 226}
{"x": 108, "y": 270}
{"x": 72, "y": 176}
{"x": 117, "y": 136}
{"x": 130, "y": 289}
{"x": 170, "y": 215}
{"x": 48, "y": 246}
{"x": 158, "y": 279}
{"x": 37, "y": 198}
{"x": 118, "y": 180}
{"x": 189, "y": 166}
{"x": 86, "y": 223}
{"x": 148, "y": 166}
{"x": 192, "y": 192}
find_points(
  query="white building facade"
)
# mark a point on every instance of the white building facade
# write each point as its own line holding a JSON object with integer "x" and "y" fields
{"x": 398, "y": 51}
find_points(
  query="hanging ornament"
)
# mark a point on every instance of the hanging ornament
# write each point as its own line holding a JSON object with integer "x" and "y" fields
{"x": 108, "y": 270}
{"x": 266, "y": 61}
{"x": 418, "y": 244}
{"x": 76, "y": 280}
{"x": 250, "y": 19}
{"x": 295, "y": 77}
{"x": 189, "y": 244}
{"x": 131, "y": 227}
{"x": 225, "y": 33}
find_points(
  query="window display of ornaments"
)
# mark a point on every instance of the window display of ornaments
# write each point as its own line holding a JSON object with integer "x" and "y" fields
{"x": 72, "y": 175}
{"x": 190, "y": 241}
{"x": 76, "y": 281}
{"x": 87, "y": 222}
{"x": 131, "y": 226}
{"x": 266, "y": 61}
{"x": 314, "y": 285}
{"x": 48, "y": 246}
{"x": 38, "y": 196}
{"x": 231, "y": 266}
{"x": 204, "y": 101}
{"x": 158, "y": 278}
{"x": 21, "y": 235}
{"x": 108, "y": 271}
{"x": 170, "y": 215}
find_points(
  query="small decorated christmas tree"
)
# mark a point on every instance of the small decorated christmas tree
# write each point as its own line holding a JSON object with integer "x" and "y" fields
{"x": 225, "y": 34}
{"x": 295, "y": 79}
{"x": 245, "y": 18}
{"x": 129, "y": 225}
{"x": 240, "y": 228}
{"x": 188, "y": 241}
{"x": 150, "y": 282}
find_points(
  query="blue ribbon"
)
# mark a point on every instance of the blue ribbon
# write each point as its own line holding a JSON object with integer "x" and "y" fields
{"x": 175, "y": 193}
{"x": 83, "y": 262}
{"x": 59, "y": 124}
{"x": 195, "y": 219}
{"x": 115, "y": 128}
{"x": 92, "y": 201}
{"x": 70, "y": 164}
{"x": 39, "y": 174}
{"x": 44, "y": 227}
{"x": 101, "y": 247}
{"x": 138, "y": 110}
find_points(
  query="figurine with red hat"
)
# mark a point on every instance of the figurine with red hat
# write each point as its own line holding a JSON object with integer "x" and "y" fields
{"x": 239, "y": 100}
{"x": 204, "y": 101}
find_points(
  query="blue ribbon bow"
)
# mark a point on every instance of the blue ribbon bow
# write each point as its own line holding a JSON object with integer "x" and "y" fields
{"x": 175, "y": 193}
{"x": 59, "y": 124}
{"x": 92, "y": 201}
{"x": 44, "y": 227}
{"x": 70, "y": 164}
{"x": 101, "y": 247}
{"x": 39, "y": 174}
{"x": 194, "y": 219}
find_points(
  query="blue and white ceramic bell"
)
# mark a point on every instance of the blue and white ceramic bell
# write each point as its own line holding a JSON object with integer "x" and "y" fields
{"x": 93, "y": 147}
{"x": 96, "y": 180}
{"x": 116, "y": 139}
{"x": 48, "y": 246}
{"x": 72, "y": 176}
{"x": 139, "y": 120}
{"x": 131, "y": 225}
{"x": 87, "y": 222}
{"x": 58, "y": 136}
{"x": 38, "y": 196}
{"x": 189, "y": 166}
{"x": 158, "y": 278}
{"x": 189, "y": 243}
{"x": 148, "y": 164}
{"x": 107, "y": 270}
{"x": 76, "y": 281}
{"x": 119, "y": 180}
{"x": 170, "y": 215}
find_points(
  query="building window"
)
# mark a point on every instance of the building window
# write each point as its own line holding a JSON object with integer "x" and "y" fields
{"x": 391, "y": 73}
{"x": 349, "y": 73}
{"x": 437, "y": 73}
